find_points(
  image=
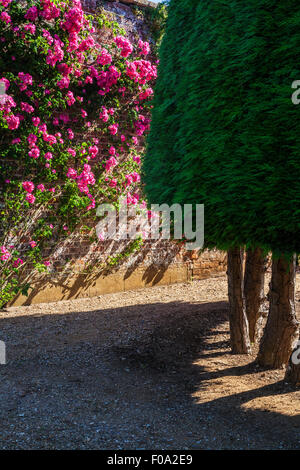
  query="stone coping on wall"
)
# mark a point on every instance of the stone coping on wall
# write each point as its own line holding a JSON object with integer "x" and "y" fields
{"x": 119, "y": 6}
{"x": 141, "y": 3}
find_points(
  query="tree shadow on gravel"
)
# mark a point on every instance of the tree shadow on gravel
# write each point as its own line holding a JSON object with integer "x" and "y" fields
{"x": 152, "y": 359}
{"x": 177, "y": 339}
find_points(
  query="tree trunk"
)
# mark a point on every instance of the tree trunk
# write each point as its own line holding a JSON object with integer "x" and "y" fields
{"x": 254, "y": 288}
{"x": 239, "y": 329}
{"x": 293, "y": 369}
{"x": 282, "y": 326}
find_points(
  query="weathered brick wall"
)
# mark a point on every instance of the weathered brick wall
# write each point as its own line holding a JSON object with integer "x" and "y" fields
{"x": 123, "y": 12}
{"x": 80, "y": 268}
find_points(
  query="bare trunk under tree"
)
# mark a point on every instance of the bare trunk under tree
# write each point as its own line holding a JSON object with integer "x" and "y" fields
{"x": 254, "y": 288}
{"x": 239, "y": 329}
{"x": 282, "y": 327}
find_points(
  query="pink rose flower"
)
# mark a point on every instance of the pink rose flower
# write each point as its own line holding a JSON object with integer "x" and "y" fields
{"x": 30, "y": 198}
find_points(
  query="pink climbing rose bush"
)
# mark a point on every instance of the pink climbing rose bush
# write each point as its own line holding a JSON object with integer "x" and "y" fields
{"x": 73, "y": 112}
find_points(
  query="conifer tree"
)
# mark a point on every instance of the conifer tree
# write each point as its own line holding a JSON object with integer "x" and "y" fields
{"x": 226, "y": 133}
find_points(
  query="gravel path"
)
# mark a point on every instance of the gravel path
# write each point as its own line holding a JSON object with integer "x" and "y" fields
{"x": 146, "y": 369}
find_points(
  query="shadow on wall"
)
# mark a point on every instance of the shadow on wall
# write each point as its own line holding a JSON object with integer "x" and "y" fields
{"x": 93, "y": 280}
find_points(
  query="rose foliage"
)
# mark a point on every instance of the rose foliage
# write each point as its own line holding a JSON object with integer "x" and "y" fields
{"x": 73, "y": 111}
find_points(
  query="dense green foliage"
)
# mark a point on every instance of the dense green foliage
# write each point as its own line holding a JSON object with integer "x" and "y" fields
{"x": 224, "y": 129}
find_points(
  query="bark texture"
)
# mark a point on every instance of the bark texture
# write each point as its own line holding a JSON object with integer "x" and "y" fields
{"x": 282, "y": 326}
{"x": 239, "y": 329}
{"x": 254, "y": 288}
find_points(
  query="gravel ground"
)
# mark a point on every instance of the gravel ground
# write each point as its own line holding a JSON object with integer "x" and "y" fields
{"x": 146, "y": 369}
